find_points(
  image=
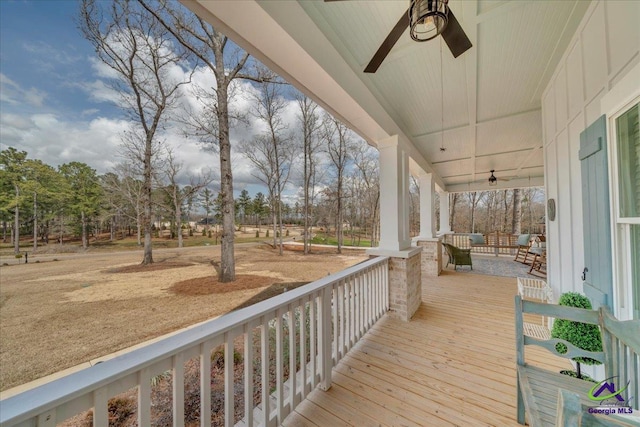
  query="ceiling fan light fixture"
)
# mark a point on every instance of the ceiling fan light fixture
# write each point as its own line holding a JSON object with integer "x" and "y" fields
{"x": 427, "y": 19}
{"x": 493, "y": 181}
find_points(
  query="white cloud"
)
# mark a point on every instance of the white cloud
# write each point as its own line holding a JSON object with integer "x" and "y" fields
{"x": 55, "y": 139}
{"x": 89, "y": 112}
{"x": 99, "y": 91}
{"x": 12, "y": 93}
{"x": 46, "y": 137}
{"x": 16, "y": 122}
{"x": 48, "y": 57}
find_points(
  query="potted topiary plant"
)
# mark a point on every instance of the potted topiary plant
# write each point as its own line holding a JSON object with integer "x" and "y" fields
{"x": 582, "y": 335}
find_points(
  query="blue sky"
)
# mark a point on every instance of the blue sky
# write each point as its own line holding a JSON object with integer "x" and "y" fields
{"x": 43, "y": 53}
{"x": 46, "y": 75}
{"x": 55, "y": 105}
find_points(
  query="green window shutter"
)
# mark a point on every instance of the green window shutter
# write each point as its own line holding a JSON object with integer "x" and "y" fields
{"x": 598, "y": 282}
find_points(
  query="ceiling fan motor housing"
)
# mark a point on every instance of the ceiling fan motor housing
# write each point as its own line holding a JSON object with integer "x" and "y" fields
{"x": 427, "y": 19}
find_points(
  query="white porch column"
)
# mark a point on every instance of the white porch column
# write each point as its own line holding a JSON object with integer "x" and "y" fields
{"x": 427, "y": 206}
{"x": 431, "y": 257}
{"x": 445, "y": 227}
{"x": 394, "y": 196}
{"x": 404, "y": 264}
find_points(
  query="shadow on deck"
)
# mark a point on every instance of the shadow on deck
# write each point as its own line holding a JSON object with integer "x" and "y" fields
{"x": 453, "y": 364}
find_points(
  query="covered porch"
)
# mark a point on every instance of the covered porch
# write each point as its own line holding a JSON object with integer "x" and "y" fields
{"x": 512, "y": 111}
{"x": 453, "y": 364}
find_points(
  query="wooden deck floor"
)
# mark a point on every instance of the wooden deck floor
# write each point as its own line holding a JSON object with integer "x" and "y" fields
{"x": 453, "y": 364}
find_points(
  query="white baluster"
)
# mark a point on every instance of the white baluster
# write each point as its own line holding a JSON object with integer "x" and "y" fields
{"x": 144, "y": 397}
{"x": 101, "y": 408}
{"x": 205, "y": 384}
{"x": 178, "y": 390}
{"x": 229, "y": 394}
{"x": 248, "y": 375}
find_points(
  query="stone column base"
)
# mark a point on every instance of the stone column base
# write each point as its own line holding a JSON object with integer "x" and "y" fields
{"x": 405, "y": 286}
{"x": 405, "y": 281}
{"x": 431, "y": 256}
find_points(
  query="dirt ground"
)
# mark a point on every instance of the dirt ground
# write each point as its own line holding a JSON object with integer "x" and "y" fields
{"x": 62, "y": 310}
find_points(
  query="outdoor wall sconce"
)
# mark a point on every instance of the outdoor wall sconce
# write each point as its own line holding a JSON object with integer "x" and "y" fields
{"x": 551, "y": 209}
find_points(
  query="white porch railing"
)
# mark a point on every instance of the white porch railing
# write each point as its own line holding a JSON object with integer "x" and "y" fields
{"x": 499, "y": 243}
{"x": 321, "y": 320}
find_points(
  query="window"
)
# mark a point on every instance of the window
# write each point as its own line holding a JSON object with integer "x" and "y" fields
{"x": 635, "y": 268}
{"x": 628, "y": 141}
{"x": 627, "y": 219}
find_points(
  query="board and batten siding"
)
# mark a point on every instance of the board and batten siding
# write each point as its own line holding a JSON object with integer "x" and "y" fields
{"x": 605, "y": 47}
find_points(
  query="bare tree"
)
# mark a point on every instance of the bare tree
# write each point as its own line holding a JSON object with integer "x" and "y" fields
{"x": 474, "y": 198}
{"x": 139, "y": 52}
{"x": 505, "y": 210}
{"x": 490, "y": 203}
{"x": 271, "y": 152}
{"x": 227, "y": 63}
{"x": 207, "y": 201}
{"x": 530, "y": 195}
{"x": 414, "y": 206}
{"x": 453, "y": 200}
{"x": 167, "y": 178}
{"x": 339, "y": 145}
{"x": 310, "y": 143}
{"x": 126, "y": 186}
{"x": 516, "y": 218}
{"x": 366, "y": 163}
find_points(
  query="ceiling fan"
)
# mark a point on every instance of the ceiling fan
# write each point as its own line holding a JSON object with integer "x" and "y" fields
{"x": 493, "y": 180}
{"x": 426, "y": 19}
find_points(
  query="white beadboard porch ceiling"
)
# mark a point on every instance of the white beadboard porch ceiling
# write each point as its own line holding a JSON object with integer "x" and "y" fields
{"x": 490, "y": 115}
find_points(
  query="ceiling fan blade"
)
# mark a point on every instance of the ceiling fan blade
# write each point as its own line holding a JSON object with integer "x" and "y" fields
{"x": 455, "y": 37}
{"x": 388, "y": 43}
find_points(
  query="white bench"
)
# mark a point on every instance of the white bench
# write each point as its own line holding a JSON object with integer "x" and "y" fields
{"x": 538, "y": 290}
{"x": 539, "y": 388}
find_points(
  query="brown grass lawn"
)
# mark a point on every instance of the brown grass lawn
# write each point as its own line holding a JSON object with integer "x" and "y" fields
{"x": 58, "y": 314}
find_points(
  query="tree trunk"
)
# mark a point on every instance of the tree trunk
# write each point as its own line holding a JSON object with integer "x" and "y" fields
{"x": 35, "y": 222}
{"x": 516, "y": 220}
{"x": 306, "y": 195}
{"x": 227, "y": 257}
{"x": 16, "y": 224}
{"x": 84, "y": 230}
{"x": 4, "y": 231}
{"x": 280, "y": 224}
{"x": 45, "y": 233}
{"x": 474, "y": 197}
{"x": 452, "y": 210}
{"x": 274, "y": 219}
{"x": 178, "y": 213}
{"x": 339, "y": 228}
{"x": 61, "y": 238}
{"x": 375, "y": 218}
{"x": 146, "y": 204}
{"x": 506, "y": 211}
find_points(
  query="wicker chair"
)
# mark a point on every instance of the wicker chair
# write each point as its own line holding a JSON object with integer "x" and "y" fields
{"x": 458, "y": 256}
